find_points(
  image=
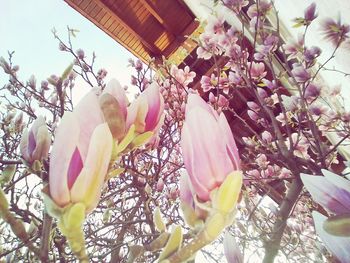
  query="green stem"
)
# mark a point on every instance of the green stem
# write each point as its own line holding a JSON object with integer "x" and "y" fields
{"x": 16, "y": 225}
{"x": 184, "y": 253}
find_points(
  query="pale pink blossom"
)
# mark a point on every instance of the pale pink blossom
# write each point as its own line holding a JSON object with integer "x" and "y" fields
{"x": 300, "y": 145}
{"x": 253, "y": 115}
{"x": 215, "y": 25}
{"x": 183, "y": 76}
{"x": 208, "y": 83}
{"x": 262, "y": 161}
{"x": 266, "y": 137}
{"x": 160, "y": 185}
{"x": 257, "y": 70}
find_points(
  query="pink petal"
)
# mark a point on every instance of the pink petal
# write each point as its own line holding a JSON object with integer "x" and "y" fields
{"x": 231, "y": 146}
{"x": 87, "y": 187}
{"x": 155, "y": 106}
{"x": 335, "y": 199}
{"x": 75, "y": 166}
{"x": 188, "y": 156}
{"x": 194, "y": 100}
{"x": 43, "y": 143}
{"x": 89, "y": 115}
{"x": 339, "y": 246}
{"x": 211, "y": 163}
{"x": 24, "y": 145}
{"x": 186, "y": 194}
{"x": 337, "y": 180}
{"x": 137, "y": 113}
{"x": 116, "y": 90}
{"x": 66, "y": 140}
{"x": 31, "y": 143}
{"x": 39, "y": 122}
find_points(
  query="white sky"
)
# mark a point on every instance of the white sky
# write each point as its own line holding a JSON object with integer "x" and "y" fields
{"x": 25, "y": 27}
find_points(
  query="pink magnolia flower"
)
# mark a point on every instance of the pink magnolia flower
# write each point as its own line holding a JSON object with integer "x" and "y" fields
{"x": 208, "y": 83}
{"x": 332, "y": 192}
{"x": 310, "y": 54}
{"x": 220, "y": 100}
{"x": 147, "y": 111}
{"x": 310, "y": 13}
{"x": 253, "y": 115}
{"x": 301, "y": 145}
{"x": 257, "y": 70}
{"x": 234, "y": 78}
{"x": 312, "y": 92}
{"x": 186, "y": 191}
{"x": 160, "y": 185}
{"x": 266, "y": 136}
{"x": 236, "y": 5}
{"x": 80, "y": 155}
{"x": 262, "y": 161}
{"x": 209, "y": 45}
{"x": 269, "y": 45}
{"x": 183, "y": 76}
{"x": 300, "y": 73}
{"x": 335, "y": 32}
{"x": 35, "y": 143}
{"x": 209, "y": 156}
{"x": 264, "y": 7}
{"x": 293, "y": 49}
{"x": 262, "y": 93}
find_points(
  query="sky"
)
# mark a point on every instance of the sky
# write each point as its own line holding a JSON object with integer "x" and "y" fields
{"x": 25, "y": 27}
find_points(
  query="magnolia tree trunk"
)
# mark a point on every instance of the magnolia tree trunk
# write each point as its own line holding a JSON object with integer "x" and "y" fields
{"x": 273, "y": 245}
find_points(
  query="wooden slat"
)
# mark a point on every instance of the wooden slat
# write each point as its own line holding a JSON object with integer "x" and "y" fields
{"x": 84, "y": 4}
{"x": 158, "y": 15}
{"x": 77, "y": 2}
{"x": 95, "y": 11}
{"x": 109, "y": 22}
{"x": 100, "y": 14}
{"x": 98, "y": 24}
{"x": 90, "y": 7}
{"x": 150, "y": 46}
{"x": 104, "y": 19}
{"x": 113, "y": 26}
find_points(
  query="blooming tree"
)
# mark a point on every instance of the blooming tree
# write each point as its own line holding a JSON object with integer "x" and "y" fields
{"x": 161, "y": 177}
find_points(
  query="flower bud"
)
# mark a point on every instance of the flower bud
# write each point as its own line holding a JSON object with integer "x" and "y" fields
{"x": 209, "y": 156}
{"x": 35, "y": 142}
{"x": 80, "y": 155}
{"x": 147, "y": 111}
